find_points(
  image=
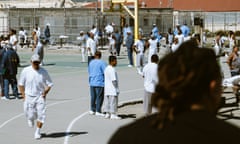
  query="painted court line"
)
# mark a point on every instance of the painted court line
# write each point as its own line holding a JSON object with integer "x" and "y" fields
{"x": 66, "y": 139}
{"x": 19, "y": 115}
{"x": 71, "y": 125}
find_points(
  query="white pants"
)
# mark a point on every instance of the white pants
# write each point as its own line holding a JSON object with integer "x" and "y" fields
{"x": 40, "y": 51}
{"x": 83, "y": 54}
{"x": 110, "y": 104}
{"x": 35, "y": 108}
{"x": 229, "y": 82}
{"x": 140, "y": 60}
{"x": 147, "y": 105}
{"x": 150, "y": 53}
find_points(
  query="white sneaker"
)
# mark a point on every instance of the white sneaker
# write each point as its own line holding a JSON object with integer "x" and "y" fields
{"x": 130, "y": 66}
{"x": 91, "y": 112}
{"x": 115, "y": 117}
{"x": 37, "y": 135}
{"x": 140, "y": 73}
{"x": 107, "y": 115}
{"x": 30, "y": 123}
{"x": 4, "y": 98}
{"x": 99, "y": 114}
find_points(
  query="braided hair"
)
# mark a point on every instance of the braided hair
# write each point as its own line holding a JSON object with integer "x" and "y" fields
{"x": 184, "y": 80}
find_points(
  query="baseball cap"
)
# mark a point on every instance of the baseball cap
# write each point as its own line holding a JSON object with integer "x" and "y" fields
{"x": 35, "y": 58}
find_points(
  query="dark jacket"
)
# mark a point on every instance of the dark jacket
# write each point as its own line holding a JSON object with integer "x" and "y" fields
{"x": 129, "y": 41}
{"x": 2, "y": 51}
{"x": 10, "y": 62}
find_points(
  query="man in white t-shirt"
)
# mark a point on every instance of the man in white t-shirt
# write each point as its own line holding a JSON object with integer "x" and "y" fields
{"x": 22, "y": 36}
{"x": 138, "y": 47}
{"x": 13, "y": 39}
{"x": 91, "y": 46}
{"x": 152, "y": 47}
{"x": 150, "y": 81}
{"x": 82, "y": 43}
{"x": 175, "y": 45}
{"x": 34, "y": 85}
{"x": 109, "y": 29}
{"x": 111, "y": 89}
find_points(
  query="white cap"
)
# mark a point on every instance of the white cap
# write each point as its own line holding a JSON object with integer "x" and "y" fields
{"x": 81, "y": 31}
{"x": 35, "y": 58}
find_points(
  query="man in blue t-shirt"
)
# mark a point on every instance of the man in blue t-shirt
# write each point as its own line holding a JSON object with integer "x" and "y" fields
{"x": 96, "y": 81}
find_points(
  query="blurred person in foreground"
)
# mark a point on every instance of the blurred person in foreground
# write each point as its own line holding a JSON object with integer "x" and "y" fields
{"x": 187, "y": 97}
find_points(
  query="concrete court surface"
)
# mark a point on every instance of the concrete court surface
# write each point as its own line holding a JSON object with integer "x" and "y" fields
{"x": 68, "y": 121}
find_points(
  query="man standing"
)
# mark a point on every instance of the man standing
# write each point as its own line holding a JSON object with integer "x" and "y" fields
{"x": 2, "y": 51}
{"x": 91, "y": 46}
{"x": 118, "y": 41}
{"x": 154, "y": 31}
{"x": 34, "y": 84}
{"x": 150, "y": 81}
{"x": 126, "y": 29}
{"x": 111, "y": 90}
{"x": 10, "y": 63}
{"x": 47, "y": 34}
{"x": 82, "y": 43}
{"x": 185, "y": 30}
{"x": 22, "y": 37}
{"x": 139, "y": 49}
{"x": 129, "y": 43}
{"x": 152, "y": 46}
{"x": 13, "y": 39}
{"x": 96, "y": 81}
{"x": 38, "y": 46}
{"x": 109, "y": 29}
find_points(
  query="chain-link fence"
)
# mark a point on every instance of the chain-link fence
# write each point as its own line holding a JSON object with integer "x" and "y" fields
{"x": 213, "y": 21}
{"x": 69, "y": 21}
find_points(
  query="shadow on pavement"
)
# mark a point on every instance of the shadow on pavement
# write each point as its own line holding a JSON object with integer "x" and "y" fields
{"x": 125, "y": 116}
{"x": 228, "y": 114}
{"x": 49, "y": 64}
{"x": 62, "y": 134}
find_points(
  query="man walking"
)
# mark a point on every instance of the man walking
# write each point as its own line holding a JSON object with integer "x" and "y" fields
{"x": 96, "y": 81}
{"x": 34, "y": 84}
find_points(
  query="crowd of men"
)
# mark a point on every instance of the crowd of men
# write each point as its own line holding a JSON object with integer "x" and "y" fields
{"x": 9, "y": 59}
{"x": 103, "y": 78}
